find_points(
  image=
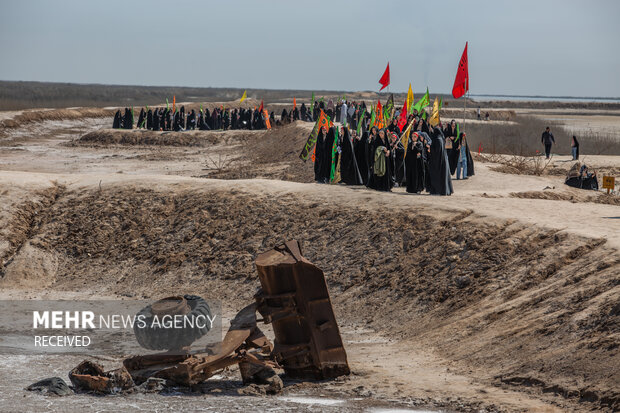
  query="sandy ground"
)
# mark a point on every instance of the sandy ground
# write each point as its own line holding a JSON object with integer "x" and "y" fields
{"x": 42, "y": 169}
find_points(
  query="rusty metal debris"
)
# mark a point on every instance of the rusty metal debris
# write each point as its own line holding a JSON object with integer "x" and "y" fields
{"x": 89, "y": 376}
{"x": 293, "y": 297}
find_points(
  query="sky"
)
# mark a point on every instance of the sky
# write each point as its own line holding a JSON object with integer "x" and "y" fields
{"x": 541, "y": 47}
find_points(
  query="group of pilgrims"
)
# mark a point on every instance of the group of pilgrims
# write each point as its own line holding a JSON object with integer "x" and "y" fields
{"x": 165, "y": 119}
{"x": 381, "y": 158}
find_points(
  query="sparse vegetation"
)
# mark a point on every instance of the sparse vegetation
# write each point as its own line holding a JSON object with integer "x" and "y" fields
{"x": 523, "y": 138}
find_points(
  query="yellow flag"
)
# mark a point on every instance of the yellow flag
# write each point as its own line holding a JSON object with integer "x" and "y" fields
{"x": 410, "y": 99}
{"x": 405, "y": 137}
{"x": 434, "y": 120}
{"x": 245, "y": 95}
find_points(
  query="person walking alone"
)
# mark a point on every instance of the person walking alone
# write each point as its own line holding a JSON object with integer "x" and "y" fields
{"x": 574, "y": 146}
{"x": 548, "y": 140}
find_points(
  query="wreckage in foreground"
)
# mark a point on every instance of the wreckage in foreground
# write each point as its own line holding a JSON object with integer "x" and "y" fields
{"x": 293, "y": 297}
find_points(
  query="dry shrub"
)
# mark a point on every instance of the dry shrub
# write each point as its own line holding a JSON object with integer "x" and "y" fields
{"x": 517, "y": 165}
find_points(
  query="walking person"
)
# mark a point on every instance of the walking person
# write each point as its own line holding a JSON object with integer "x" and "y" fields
{"x": 574, "y": 146}
{"x": 548, "y": 140}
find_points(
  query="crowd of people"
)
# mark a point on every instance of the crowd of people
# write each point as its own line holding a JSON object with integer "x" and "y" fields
{"x": 419, "y": 156}
{"x": 411, "y": 153}
{"x": 165, "y": 119}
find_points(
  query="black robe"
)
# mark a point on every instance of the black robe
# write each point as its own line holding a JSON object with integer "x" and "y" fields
{"x": 361, "y": 155}
{"x": 149, "y": 119}
{"x": 415, "y": 162}
{"x": 439, "y": 167}
{"x": 319, "y": 157}
{"x": 117, "y": 120}
{"x": 380, "y": 183}
{"x": 326, "y": 155}
{"x": 156, "y": 118}
{"x": 349, "y": 171}
{"x": 141, "y": 119}
{"x": 398, "y": 162}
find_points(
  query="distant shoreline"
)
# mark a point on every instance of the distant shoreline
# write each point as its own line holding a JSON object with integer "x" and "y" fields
{"x": 541, "y": 98}
{"x": 19, "y": 95}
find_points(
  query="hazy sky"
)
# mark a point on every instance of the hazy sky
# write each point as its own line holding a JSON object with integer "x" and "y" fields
{"x": 524, "y": 47}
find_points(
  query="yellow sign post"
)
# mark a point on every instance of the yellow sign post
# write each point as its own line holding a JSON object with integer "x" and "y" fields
{"x": 609, "y": 183}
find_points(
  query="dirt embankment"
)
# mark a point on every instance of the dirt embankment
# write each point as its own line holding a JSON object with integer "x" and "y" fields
{"x": 140, "y": 137}
{"x": 575, "y": 196}
{"x": 54, "y": 114}
{"x": 529, "y": 308}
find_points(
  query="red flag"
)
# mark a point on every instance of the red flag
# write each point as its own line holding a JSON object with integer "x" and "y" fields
{"x": 402, "y": 121}
{"x": 461, "y": 82}
{"x": 385, "y": 79}
{"x": 260, "y": 108}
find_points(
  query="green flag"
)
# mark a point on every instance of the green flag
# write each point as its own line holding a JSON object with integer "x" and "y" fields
{"x": 440, "y": 103}
{"x": 201, "y": 108}
{"x": 359, "y": 122}
{"x": 167, "y": 104}
{"x": 388, "y": 109}
{"x": 332, "y": 173}
{"x": 423, "y": 102}
{"x": 373, "y": 115}
{"x": 458, "y": 134}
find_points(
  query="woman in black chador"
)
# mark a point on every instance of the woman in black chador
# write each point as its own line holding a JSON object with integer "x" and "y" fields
{"x": 149, "y": 119}
{"x": 117, "y": 120}
{"x": 320, "y": 160}
{"x": 450, "y": 135}
{"x": 397, "y": 154}
{"x": 360, "y": 145}
{"x": 415, "y": 162}
{"x": 380, "y": 176}
{"x": 349, "y": 171}
{"x": 439, "y": 167}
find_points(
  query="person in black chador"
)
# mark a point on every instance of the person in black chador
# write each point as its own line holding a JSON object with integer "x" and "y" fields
{"x": 415, "y": 162}
{"x": 397, "y": 153}
{"x": 439, "y": 168}
{"x": 380, "y": 176}
{"x": 141, "y": 119}
{"x": 295, "y": 113}
{"x": 453, "y": 154}
{"x": 117, "y": 120}
{"x": 149, "y": 119}
{"x": 361, "y": 150}
{"x": 319, "y": 156}
{"x": 191, "y": 120}
{"x": 168, "y": 119}
{"x": 349, "y": 171}
{"x": 176, "y": 122}
{"x": 127, "y": 119}
{"x": 303, "y": 112}
{"x": 326, "y": 155}
{"x": 182, "y": 120}
{"x": 156, "y": 120}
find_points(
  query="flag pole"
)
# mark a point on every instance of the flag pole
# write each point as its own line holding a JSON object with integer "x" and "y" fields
{"x": 464, "y": 107}
{"x": 466, "y": 93}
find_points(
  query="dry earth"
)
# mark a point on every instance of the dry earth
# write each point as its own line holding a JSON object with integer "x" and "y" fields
{"x": 502, "y": 297}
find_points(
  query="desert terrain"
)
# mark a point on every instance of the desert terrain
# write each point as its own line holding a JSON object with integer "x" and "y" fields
{"x": 504, "y": 296}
